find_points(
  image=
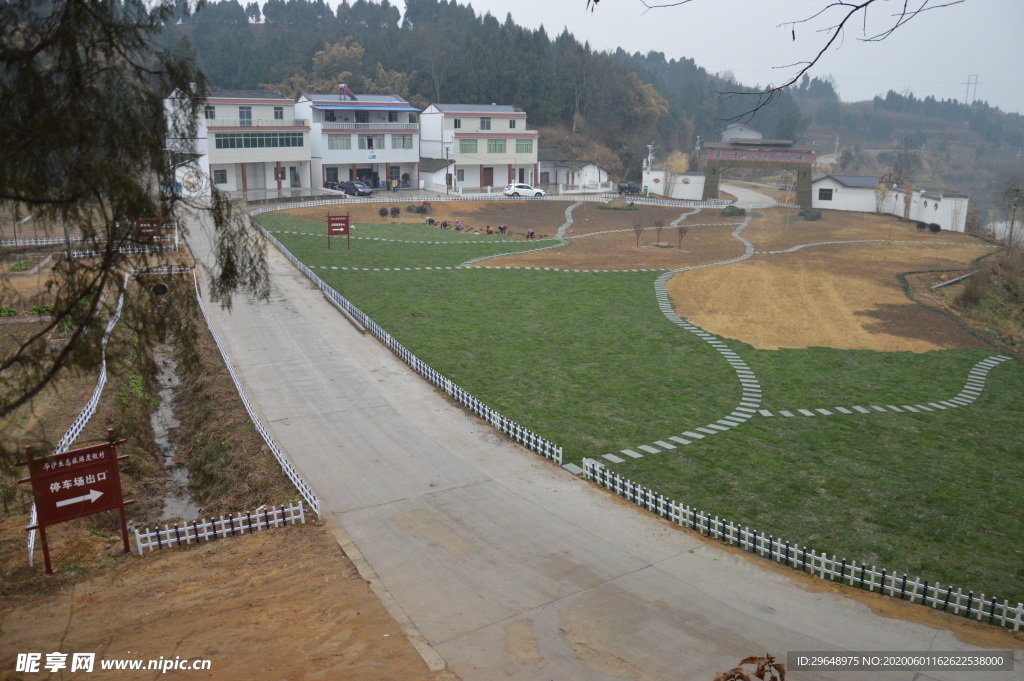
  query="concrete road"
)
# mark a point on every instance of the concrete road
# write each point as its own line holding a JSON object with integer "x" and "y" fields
{"x": 745, "y": 195}
{"x": 502, "y": 565}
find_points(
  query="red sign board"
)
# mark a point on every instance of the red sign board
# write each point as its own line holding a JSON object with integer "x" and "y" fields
{"x": 771, "y": 156}
{"x": 337, "y": 225}
{"x": 75, "y": 484}
{"x": 148, "y": 228}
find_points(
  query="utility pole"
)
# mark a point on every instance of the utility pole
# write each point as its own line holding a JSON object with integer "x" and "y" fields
{"x": 650, "y": 162}
{"x": 448, "y": 157}
{"x": 972, "y": 81}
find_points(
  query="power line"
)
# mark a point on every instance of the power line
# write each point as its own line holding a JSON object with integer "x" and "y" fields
{"x": 972, "y": 81}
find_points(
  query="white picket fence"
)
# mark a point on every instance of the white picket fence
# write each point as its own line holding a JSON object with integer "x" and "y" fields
{"x": 932, "y": 594}
{"x": 168, "y": 247}
{"x": 206, "y": 530}
{"x": 78, "y": 425}
{"x": 516, "y": 432}
{"x": 286, "y": 465}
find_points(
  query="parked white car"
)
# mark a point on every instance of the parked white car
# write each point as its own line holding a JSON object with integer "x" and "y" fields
{"x": 522, "y": 190}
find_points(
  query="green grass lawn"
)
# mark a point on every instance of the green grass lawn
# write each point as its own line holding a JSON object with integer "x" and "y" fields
{"x": 588, "y": 361}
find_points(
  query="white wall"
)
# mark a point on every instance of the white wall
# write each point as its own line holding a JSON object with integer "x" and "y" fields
{"x": 858, "y": 199}
{"x": 949, "y": 212}
{"x": 684, "y": 186}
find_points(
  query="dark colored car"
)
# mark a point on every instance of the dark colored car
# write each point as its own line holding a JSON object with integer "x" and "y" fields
{"x": 356, "y": 188}
{"x": 629, "y": 188}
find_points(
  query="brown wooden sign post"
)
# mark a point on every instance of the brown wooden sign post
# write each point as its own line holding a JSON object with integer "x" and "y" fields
{"x": 76, "y": 484}
{"x": 338, "y": 225}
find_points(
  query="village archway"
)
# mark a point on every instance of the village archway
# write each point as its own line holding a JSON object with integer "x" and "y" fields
{"x": 764, "y": 154}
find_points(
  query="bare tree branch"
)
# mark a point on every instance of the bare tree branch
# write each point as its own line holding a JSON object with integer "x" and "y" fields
{"x": 835, "y": 32}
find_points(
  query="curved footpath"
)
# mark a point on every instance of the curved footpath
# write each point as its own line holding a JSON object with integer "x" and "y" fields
{"x": 499, "y": 564}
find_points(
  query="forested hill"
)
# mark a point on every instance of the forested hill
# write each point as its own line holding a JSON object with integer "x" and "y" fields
{"x": 603, "y": 106}
{"x": 444, "y": 52}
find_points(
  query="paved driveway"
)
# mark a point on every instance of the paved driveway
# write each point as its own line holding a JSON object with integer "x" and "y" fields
{"x": 505, "y": 565}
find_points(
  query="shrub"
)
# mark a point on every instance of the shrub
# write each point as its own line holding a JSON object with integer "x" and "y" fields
{"x": 395, "y": 211}
{"x": 935, "y": 228}
{"x": 422, "y": 210}
{"x": 42, "y": 309}
{"x": 733, "y": 212}
{"x": 921, "y": 226}
{"x": 383, "y": 212}
{"x": 412, "y": 208}
{"x": 810, "y": 214}
{"x": 7, "y": 312}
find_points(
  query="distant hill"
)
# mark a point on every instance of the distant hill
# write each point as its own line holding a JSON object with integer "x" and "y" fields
{"x": 605, "y": 105}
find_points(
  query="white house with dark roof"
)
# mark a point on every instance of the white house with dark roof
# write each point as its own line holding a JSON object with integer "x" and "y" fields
{"x": 566, "y": 175}
{"x": 489, "y": 144}
{"x": 374, "y": 138}
{"x": 862, "y": 194}
{"x": 741, "y": 131}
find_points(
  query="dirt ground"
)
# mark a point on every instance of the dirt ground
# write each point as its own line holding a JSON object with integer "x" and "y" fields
{"x": 842, "y": 296}
{"x": 280, "y": 604}
{"x": 283, "y": 604}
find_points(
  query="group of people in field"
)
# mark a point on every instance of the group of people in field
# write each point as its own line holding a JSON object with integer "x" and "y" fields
{"x": 503, "y": 230}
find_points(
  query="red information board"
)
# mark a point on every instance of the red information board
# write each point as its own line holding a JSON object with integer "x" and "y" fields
{"x": 338, "y": 225}
{"x": 148, "y": 228}
{"x": 76, "y": 484}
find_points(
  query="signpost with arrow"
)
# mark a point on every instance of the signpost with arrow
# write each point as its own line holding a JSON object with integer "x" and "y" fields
{"x": 76, "y": 484}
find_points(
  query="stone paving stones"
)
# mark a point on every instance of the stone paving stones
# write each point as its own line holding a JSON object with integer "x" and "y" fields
{"x": 693, "y": 436}
{"x": 707, "y": 431}
{"x": 787, "y": 414}
{"x": 676, "y": 438}
{"x": 824, "y": 412}
{"x": 765, "y": 412}
{"x": 664, "y": 445}
{"x": 631, "y": 454}
{"x": 843, "y": 410}
{"x": 895, "y": 409}
{"x": 612, "y": 458}
{"x": 647, "y": 448}
{"x": 573, "y": 468}
{"x": 806, "y": 412}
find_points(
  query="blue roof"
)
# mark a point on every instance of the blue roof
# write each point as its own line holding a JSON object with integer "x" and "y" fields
{"x": 363, "y": 107}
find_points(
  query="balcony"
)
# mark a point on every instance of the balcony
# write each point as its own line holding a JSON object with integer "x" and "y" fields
{"x": 381, "y": 126}
{"x": 257, "y": 123}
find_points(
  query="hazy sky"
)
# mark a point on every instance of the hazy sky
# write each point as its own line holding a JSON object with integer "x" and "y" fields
{"x": 931, "y": 55}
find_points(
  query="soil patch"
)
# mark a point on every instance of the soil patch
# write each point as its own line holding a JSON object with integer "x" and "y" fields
{"x": 283, "y": 604}
{"x": 842, "y": 296}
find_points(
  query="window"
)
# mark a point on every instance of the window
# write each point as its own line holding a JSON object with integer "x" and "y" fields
{"x": 460, "y": 175}
{"x": 257, "y": 140}
{"x": 371, "y": 141}
{"x": 331, "y": 174}
{"x": 485, "y": 123}
{"x": 245, "y": 116}
{"x": 330, "y": 116}
{"x": 467, "y": 146}
{"x": 524, "y": 146}
{"x": 362, "y": 116}
{"x": 511, "y": 124}
{"x": 220, "y": 176}
{"x": 337, "y": 142}
{"x": 392, "y": 116}
{"x": 456, "y": 123}
{"x": 824, "y": 194}
{"x": 401, "y": 141}
{"x": 278, "y": 113}
{"x": 495, "y": 146}
{"x": 211, "y": 112}
{"x": 412, "y": 118}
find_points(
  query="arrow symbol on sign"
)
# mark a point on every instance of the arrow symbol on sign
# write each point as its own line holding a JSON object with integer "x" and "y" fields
{"x": 93, "y": 495}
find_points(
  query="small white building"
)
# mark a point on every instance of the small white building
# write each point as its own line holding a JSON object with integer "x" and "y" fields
{"x": 373, "y": 138}
{"x": 489, "y": 144}
{"x": 862, "y": 194}
{"x": 685, "y": 186}
{"x": 561, "y": 173}
{"x": 741, "y": 131}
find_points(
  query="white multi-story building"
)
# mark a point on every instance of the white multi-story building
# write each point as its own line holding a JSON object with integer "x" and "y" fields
{"x": 374, "y": 138}
{"x": 253, "y": 141}
{"x": 489, "y": 144}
